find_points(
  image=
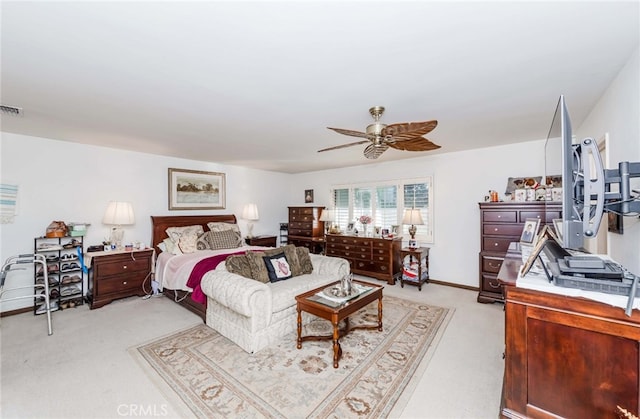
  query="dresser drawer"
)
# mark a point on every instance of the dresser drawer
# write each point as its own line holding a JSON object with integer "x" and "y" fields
{"x": 120, "y": 284}
{"x": 491, "y": 264}
{"x": 380, "y": 255}
{"x": 511, "y": 230}
{"x": 495, "y": 244}
{"x": 524, "y": 215}
{"x": 300, "y": 232}
{"x": 500, "y": 216}
{"x": 121, "y": 265}
{"x": 552, "y": 215}
{"x": 490, "y": 283}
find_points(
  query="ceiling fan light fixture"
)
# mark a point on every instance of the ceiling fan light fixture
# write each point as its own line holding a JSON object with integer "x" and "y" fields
{"x": 407, "y": 136}
{"x": 376, "y": 128}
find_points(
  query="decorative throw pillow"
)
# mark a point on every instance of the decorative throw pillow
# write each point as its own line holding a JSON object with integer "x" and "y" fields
{"x": 175, "y": 233}
{"x": 238, "y": 264}
{"x": 187, "y": 243}
{"x": 226, "y": 239}
{"x": 171, "y": 246}
{"x": 203, "y": 241}
{"x": 259, "y": 270}
{"x": 278, "y": 267}
{"x": 218, "y": 226}
{"x": 304, "y": 260}
{"x": 292, "y": 258}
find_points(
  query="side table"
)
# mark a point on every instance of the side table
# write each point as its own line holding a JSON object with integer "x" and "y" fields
{"x": 419, "y": 253}
{"x": 117, "y": 274}
{"x": 268, "y": 241}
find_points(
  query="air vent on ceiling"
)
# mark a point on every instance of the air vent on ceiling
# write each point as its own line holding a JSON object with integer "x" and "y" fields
{"x": 11, "y": 110}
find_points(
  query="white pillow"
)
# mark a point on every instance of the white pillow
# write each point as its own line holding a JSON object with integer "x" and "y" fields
{"x": 187, "y": 243}
{"x": 175, "y": 233}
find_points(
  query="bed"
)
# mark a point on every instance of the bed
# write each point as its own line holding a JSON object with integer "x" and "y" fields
{"x": 172, "y": 272}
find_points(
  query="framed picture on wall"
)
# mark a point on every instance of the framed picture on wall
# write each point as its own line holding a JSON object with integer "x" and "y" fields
{"x": 308, "y": 196}
{"x": 195, "y": 189}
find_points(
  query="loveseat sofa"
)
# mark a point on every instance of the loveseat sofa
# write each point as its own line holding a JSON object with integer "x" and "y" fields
{"x": 255, "y": 314}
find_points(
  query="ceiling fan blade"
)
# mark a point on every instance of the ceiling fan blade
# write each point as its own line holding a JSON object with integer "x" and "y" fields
{"x": 414, "y": 144}
{"x": 373, "y": 151}
{"x": 350, "y": 132}
{"x": 343, "y": 146}
{"x": 408, "y": 130}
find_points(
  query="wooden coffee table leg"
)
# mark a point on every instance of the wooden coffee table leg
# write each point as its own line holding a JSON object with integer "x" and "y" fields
{"x": 336, "y": 342}
{"x": 380, "y": 314}
{"x": 299, "y": 345}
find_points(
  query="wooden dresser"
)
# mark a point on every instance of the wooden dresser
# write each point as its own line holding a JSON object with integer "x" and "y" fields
{"x": 500, "y": 224}
{"x": 566, "y": 356}
{"x": 375, "y": 257}
{"x": 118, "y": 274}
{"x": 306, "y": 229}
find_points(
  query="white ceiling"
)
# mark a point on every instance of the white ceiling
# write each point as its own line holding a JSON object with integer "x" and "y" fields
{"x": 257, "y": 83}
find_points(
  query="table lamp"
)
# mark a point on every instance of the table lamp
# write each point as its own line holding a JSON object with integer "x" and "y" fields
{"x": 118, "y": 213}
{"x": 250, "y": 213}
{"x": 328, "y": 216}
{"x": 413, "y": 218}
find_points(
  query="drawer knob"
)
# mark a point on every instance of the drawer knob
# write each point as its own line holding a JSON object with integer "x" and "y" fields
{"x": 495, "y": 244}
{"x": 495, "y": 229}
{"x": 124, "y": 283}
{"x": 124, "y": 267}
{"x": 499, "y": 216}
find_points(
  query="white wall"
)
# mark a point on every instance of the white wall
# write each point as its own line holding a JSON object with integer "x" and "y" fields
{"x": 73, "y": 182}
{"x": 59, "y": 180}
{"x": 618, "y": 113}
{"x": 461, "y": 180}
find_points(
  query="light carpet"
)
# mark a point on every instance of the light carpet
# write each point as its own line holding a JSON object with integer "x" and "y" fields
{"x": 215, "y": 378}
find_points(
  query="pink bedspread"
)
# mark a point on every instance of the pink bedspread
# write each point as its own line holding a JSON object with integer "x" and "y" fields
{"x": 201, "y": 268}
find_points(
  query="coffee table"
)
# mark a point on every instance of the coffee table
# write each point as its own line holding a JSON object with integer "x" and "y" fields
{"x": 336, "y": 311}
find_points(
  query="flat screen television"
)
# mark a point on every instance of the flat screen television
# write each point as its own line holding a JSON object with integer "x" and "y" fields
{"x": 588, "y": 190}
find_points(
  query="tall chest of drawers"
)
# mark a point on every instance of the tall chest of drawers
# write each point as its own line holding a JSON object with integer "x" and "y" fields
{"x": 370, "y": 256}
{"x": 305, "y": 228}
{"x": 500, "y": 224}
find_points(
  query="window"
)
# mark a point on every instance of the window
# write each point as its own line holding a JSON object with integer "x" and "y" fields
{"x": 385, "y": 202}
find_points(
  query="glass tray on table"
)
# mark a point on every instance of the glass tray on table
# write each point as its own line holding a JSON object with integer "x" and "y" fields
{"x": 334, "y": 296}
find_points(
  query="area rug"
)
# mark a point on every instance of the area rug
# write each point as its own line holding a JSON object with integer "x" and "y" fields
{"x": 215, "y": 378}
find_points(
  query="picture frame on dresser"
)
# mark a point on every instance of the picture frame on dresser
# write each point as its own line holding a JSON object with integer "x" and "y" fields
{"x": 196, "y": 189}
{"x": 529, "y": 230}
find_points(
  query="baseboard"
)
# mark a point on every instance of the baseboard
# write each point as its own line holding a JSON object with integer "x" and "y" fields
{"x": 451, "y": 284}
{"x": 16, "y": 311}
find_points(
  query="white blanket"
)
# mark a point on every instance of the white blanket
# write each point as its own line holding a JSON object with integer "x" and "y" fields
{"x": 172, "y": 271}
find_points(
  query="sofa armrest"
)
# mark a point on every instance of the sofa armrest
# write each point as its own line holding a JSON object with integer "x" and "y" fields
{"x": 330, "y": 265}
{"x": 242, "y": 295}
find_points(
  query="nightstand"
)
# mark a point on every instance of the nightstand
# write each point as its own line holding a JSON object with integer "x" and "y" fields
{"x": 420, "y": 254}
{"x": 267, "y": 241}
{"x": 117, "y": 274}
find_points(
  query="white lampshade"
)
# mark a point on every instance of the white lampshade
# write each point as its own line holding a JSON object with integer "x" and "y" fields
{"x": 328, "y": 215}
{"x": 412, "y": 217}
{"x": 250, "y": 212}
{"x": 118, "y": 214}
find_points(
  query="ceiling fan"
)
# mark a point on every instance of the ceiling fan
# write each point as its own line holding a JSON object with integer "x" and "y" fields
{"x": 406, "y": 136}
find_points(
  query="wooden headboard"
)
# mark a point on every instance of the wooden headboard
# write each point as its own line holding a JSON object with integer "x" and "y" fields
{"x": 161, "y": 223}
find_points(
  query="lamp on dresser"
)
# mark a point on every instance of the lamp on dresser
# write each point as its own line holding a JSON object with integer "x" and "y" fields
{"x": 250, "y": 213}
{"x": 118, "y": 214}
{"x": 412, "y": 217}
{"x": 328, "y": 216}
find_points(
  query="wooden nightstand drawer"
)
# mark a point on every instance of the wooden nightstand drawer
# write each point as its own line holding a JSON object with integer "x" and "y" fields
{"x": 119, "y": 284}
{"x": 117, "y": 275}
{"x": 120, "y": 266}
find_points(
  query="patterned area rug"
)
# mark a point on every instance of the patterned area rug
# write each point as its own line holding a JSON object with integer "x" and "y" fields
{"x": 215, "y": 378}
